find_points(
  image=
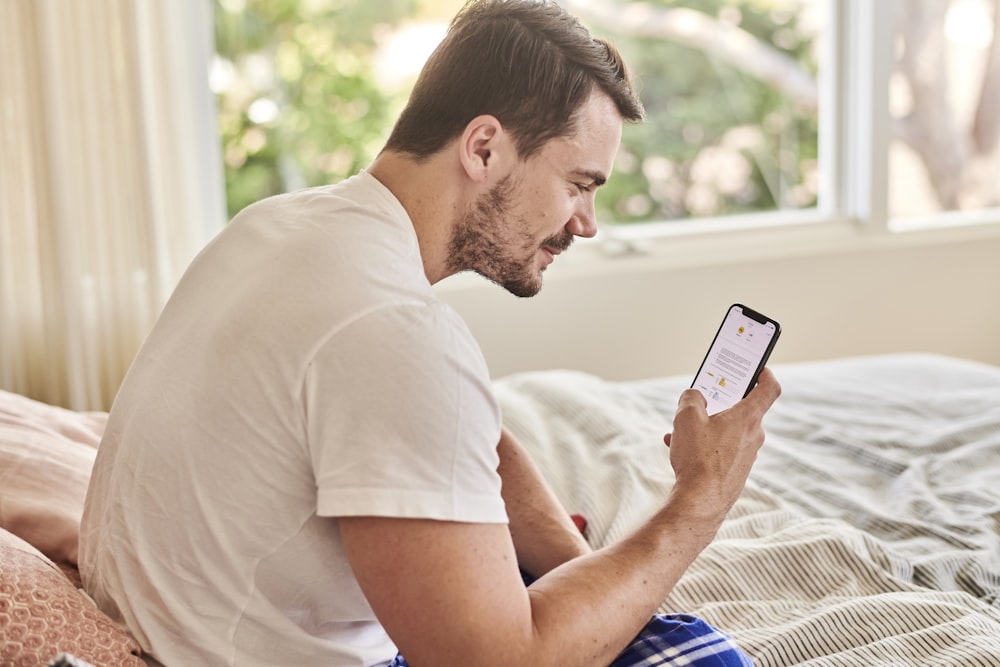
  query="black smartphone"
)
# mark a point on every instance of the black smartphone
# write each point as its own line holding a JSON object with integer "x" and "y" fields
{"x": 736, "y": 357}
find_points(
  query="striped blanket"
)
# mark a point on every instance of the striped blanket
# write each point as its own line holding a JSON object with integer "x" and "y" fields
{"x": 868, "y": 534}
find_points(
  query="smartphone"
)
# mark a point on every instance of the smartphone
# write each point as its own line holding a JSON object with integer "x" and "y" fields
{"x": 736, "y": 357}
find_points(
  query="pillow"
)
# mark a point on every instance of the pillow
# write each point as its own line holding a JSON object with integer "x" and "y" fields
{"x": 46, "y": 456}
{"x": 42, "y": 615}
{"x": 83, "y": 427}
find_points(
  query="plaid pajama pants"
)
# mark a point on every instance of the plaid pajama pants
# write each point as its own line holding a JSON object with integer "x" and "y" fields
{"x": 673, "y": 640}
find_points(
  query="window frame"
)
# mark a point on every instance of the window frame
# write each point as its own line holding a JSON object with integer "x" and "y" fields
{"x": 852, "y": 214}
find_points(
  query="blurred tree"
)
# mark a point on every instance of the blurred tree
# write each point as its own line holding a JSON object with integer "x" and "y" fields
{"x": 731, "y": 101}
{"x": 728, "y": 86}
{"x": 957, "y": 144}
{"x": 298, "y": 102}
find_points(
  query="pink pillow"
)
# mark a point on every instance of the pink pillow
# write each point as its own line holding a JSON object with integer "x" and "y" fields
{"x": 42, "y": 615}
{"x": 46, "y": 456}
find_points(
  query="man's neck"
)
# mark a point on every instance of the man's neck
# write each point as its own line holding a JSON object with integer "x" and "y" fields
{"x": 431, "y": 199}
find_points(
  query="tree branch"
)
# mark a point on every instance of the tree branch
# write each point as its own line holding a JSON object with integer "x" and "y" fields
{"x": 986, "y": 124}
{"x": 698, "y": 30}
{"x": 934, "y": 135}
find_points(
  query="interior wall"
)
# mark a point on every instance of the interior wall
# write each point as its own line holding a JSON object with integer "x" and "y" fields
{"x": 627, "y": 324}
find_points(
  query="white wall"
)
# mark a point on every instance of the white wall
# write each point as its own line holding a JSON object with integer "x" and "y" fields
{"x": 631, "y": 318}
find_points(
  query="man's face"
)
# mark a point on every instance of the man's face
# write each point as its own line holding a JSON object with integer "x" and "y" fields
{"x": 515, "y": 230}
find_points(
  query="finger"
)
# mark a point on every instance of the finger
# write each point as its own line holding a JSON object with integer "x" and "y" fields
{"x": 692, "y": 398}
{"x": 765, "y": 392}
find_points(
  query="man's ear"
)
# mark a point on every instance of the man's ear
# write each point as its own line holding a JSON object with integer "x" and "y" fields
{"x": 478, "y": 147}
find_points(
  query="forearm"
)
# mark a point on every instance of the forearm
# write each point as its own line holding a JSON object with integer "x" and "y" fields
{"x": 625, "y": 582}
{"x": 543, "y": 533}
{"x": 613, "y": 591}
{"x": 474, "y": 611}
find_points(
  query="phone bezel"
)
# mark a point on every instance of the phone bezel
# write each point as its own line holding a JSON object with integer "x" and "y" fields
{"x": 756, "y": 316}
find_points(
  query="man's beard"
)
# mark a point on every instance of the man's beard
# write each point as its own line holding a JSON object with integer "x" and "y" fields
{"x": 504, "y": 252}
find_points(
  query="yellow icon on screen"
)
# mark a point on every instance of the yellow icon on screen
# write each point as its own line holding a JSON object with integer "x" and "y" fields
{"x": 741, "y": 330}
{"x": 722, "y": 381}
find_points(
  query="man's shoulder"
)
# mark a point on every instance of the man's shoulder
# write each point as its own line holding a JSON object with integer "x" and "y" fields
{"x": 361, "y": 192}
{"x": 413, "y": 319}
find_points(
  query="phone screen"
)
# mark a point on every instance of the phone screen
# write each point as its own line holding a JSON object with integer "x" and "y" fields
{"x": 736, "y": 357}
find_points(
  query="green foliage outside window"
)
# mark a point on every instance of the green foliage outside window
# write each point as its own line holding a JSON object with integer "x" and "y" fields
{"x": 717, "y": 140}
{"x": 300, "y": 104}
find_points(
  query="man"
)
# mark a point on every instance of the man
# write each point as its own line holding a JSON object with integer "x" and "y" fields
{"x": 305, "y": 464}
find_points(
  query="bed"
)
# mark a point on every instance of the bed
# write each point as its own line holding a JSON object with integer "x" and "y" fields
{"x": 868, "y": 533}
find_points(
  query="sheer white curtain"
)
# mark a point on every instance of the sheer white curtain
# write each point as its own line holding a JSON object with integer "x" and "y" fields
{"x": 110, "y": 182}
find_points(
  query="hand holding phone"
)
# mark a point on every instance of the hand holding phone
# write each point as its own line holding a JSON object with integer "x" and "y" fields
{"x": 736, "y": 357}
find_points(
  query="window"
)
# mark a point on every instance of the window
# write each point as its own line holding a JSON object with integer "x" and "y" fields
{"x": 732, "y": 98}
{"x": 308, "y": 91}
{"x": 944, "y": 103}
{"x": 759, "y": 111}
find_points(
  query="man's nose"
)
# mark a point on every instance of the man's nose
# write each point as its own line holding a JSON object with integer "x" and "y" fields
{"x": 584, "y": 220}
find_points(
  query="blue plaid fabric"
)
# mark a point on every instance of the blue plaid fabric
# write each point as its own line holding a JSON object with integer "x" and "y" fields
{"x": 677, "y": 640}
{"x": 680, "y": 639}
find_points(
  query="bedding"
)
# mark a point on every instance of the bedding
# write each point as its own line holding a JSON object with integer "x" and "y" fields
{"x": 43, "y": 616}
{"x": 868, "y": 532}
{"x": 46, "y": 454}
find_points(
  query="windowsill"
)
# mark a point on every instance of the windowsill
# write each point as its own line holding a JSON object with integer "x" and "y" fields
{"x": 747, "y": 239}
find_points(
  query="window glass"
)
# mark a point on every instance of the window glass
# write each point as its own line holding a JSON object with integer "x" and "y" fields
{"x": 944, "y": 98}
{"x": 308, "y": 89}
{"x": 732, "y": 99}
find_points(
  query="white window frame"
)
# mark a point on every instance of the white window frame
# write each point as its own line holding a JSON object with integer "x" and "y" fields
{"x": 854, "y": 146}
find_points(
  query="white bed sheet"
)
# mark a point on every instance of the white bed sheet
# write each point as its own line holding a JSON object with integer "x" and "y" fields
{"x": 869, "y": 531}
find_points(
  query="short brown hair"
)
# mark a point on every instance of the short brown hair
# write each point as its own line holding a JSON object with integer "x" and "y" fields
{"x": 527, "y": 62}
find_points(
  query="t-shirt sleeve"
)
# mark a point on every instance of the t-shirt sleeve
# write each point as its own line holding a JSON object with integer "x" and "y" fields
{"x": 402, "y": 420}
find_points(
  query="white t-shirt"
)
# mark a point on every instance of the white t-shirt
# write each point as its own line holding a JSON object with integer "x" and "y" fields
{"x": 303, "y": 370}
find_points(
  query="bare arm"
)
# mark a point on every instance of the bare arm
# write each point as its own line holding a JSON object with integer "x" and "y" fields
{"x": 449, "y": 593}
{"x": 544, "y": 535}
